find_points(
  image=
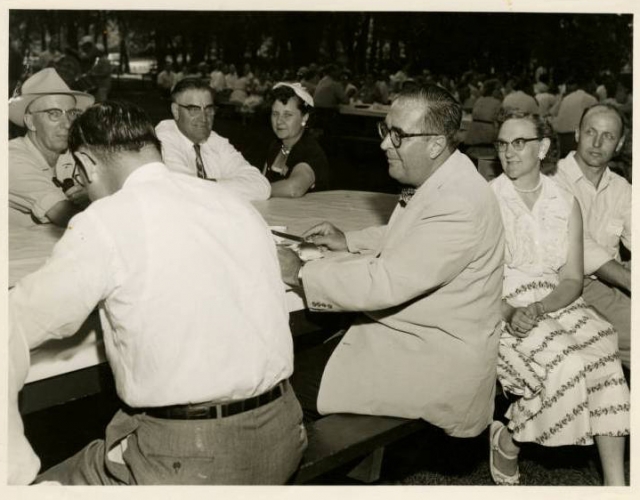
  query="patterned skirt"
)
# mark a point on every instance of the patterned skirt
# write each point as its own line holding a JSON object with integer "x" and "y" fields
{"x": 570, "y": 378}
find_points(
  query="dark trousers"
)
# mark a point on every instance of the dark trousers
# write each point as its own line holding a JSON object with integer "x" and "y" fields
{"x": 308, "y": 368}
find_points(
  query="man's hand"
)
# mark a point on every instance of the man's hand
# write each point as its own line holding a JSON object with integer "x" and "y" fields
{"x": 77, "y": 195}
{"x": 327, "y": 235}
{"x": 616, "y": 274}
{"x": 521, "y": 323}
{"x": 290, "y": 265}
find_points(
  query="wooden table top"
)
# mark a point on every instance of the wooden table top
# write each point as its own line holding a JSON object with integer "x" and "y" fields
{"x": 349, "y": 210}
{"x": 30, "y": 246}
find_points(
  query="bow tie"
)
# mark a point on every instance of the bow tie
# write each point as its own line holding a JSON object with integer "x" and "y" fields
{"x": 405, "y": 195}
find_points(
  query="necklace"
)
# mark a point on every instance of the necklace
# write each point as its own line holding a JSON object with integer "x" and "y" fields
{"x": 284, "y": 150}
{"x": 532, "y": 190}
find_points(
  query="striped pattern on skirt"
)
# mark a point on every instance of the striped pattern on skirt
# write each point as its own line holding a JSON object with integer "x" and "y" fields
{"x": 569, "y": 375}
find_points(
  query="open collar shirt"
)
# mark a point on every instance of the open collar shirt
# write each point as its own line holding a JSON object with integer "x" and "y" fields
{"x": 31, "y": 187}
{"x": 186, "y": 279}
{"x": 222, "y": 161}
{"x": 606, "y": 212}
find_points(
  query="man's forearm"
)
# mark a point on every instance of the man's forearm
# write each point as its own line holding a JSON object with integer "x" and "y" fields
{"x": 61, "y": 213}
{"x": 616, "y": 274}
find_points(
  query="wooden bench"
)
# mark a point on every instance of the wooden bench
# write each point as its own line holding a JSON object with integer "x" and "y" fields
{"x": 338, "y": 440}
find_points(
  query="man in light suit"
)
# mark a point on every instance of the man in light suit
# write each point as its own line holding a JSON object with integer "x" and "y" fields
{"x": 428, "y": 286}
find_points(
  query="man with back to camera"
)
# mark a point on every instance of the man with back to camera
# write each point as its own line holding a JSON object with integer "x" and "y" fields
{"x": 190, "y": 146}
{"x": 428, "y": 286}
{"x": 193, "y": 314}
{"x": 605, "y": 201}
{"x": 40, "y": 182}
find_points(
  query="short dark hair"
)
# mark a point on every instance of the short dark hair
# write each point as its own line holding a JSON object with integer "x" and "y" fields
{"x": 610, "y": 107}
{"x": 284, "y": 93}
{"x": 442, "y": 112}
{"x": 190, "y": 84}
{"x": 113, "y": 127}
{"x": 490, "y": 86}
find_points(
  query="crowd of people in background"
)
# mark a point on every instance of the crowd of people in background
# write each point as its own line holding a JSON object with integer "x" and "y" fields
{"x": 559, "y": 100}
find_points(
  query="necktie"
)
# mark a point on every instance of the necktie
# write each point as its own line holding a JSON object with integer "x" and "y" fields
{"x": 405, "y": 196}
{"x": 199, "y": 162}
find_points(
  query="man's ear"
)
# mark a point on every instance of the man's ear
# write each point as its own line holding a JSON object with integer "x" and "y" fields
{"x": 620, "y": 144}
{"x": 577, "y": 136}
{"x": 28, "y": 122}
{"x": 175, "y": 111}
{"x": 438, "y": 145}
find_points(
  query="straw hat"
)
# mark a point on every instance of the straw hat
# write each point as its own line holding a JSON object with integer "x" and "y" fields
{"x": 42, "y": 83}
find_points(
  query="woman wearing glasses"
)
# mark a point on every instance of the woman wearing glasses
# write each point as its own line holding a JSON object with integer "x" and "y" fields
{"x": 295, "y": 162}
{"x": 555, "y": 352}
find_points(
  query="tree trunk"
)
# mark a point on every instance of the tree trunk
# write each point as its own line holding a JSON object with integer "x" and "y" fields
{"x": 123, "y": 64}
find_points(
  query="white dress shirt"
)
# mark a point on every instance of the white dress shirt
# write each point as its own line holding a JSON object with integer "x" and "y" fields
{"x": 606, "y": 211}
{"x": 24, "y": 464}
{"x": 187, "y": 282}
{"x": 221, "y": 161}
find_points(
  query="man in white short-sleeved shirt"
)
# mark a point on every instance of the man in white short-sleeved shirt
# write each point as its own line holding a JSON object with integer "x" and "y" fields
{"x": 605, "y": 201}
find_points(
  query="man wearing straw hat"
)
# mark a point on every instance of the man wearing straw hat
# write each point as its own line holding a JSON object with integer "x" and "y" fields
{"x": 40, "y": 170}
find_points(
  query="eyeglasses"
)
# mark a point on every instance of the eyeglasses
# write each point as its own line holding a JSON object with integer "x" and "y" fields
{"x": 75, "y": 175}
{"x": 193, "y": 110}
{"x": 517, "y": 144}
{"x": 56, "y": 114}
{"x": 78, "y": 168}
{"x": 396, "y": 135}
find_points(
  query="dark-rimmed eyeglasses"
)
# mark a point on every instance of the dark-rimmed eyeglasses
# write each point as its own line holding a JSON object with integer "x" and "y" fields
{"x": 79, "y": 170}
{"x": 517, "y": 144}
{"x": 56, "y": 114}
{"x": 194, "y": 110}
{"x": 396, "y": 135}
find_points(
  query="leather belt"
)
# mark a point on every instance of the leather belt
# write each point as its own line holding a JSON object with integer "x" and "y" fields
{"x": 209, "y": 410}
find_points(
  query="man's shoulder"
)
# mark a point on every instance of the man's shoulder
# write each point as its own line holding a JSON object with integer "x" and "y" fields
{"x": 216, "y": 141}
{"x": 462, "y": 186}
{"x": 567, "y": 169}
{"x": 167, "y": 128}
{"x": 618, "y": 182}
{"x": 18, "y": 145}
{"x": 22, "y": 152}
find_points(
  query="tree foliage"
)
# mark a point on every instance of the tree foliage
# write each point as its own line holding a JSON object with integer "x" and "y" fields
{"x": 440, "y": 41}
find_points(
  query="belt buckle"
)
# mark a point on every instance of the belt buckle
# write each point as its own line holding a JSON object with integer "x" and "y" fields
{"x": 202, "y": 412}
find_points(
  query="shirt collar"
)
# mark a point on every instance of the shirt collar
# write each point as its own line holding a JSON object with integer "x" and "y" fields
{"x": 188, "y": 142}
{"x": 144, "y": 173}
{"x": 444, "y": 173}
{"x": 508, "y": 191}
{"x": 36, "y": 152}
{"x": 574, "y": 173}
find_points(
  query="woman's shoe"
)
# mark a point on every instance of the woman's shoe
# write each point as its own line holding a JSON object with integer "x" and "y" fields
{"x": 494, "y": 447}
